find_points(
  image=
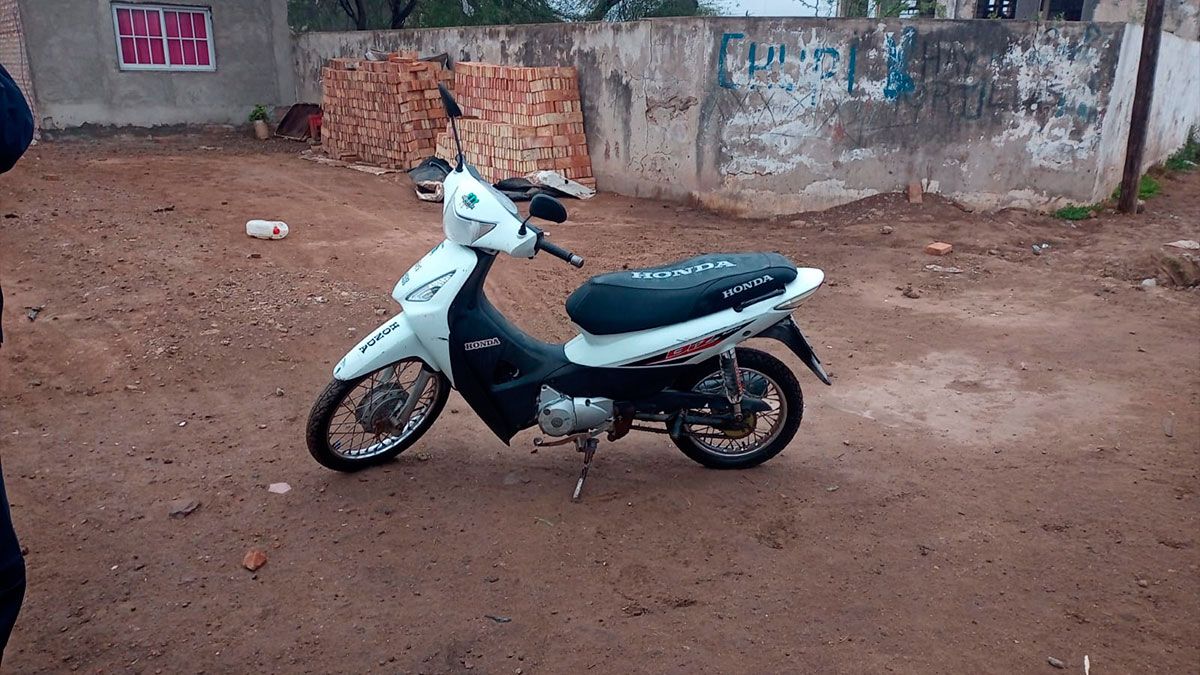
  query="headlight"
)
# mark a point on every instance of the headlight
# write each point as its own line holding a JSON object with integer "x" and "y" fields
{"x": 426, "y": 292}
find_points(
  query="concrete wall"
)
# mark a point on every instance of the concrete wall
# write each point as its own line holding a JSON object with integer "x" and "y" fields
{"x": 13, "y": 56}
{"x": 1181, "y": 17}
{"x": 768, "y": 115}
{"x": 1174, "y": 110}
{"x": 73, "y": 57}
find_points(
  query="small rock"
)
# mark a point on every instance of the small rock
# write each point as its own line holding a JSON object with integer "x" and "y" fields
{"x": 491, "y": 580}
{"x": 939, "y": 248}
{"x": 497, "y": 618}
{"x": 182, "y": 508}
{"x": 1141, "y": 206}
{"x": 887, "y": 229}
{"x": 1149, "y": 283}
{"x": 262, "y": 426}
{"x": 943, "y": 270}
{"x": 832, "y": 488}
{"x": 183, "y": 423}
{"x": 424, "y": 456}
{"x": 1169, "y": 425}
{"x": 165, "y": 209}
{"x": 1056, "y": 662}
{"x": 993, "y": 251}
{"x": 279, "y": 488}
{"x": 380, "y": 312}
{"x": 279, "y": 391}
{"x": 910, "y": 292}
{"x": 254, "y": 256}
{"x": 254, "y": 559}
{"x": 1143, "y": 583}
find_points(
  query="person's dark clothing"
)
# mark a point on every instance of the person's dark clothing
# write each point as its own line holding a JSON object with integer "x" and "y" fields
{"x": 16, "y": 122}
{"x": 16, "y": 133}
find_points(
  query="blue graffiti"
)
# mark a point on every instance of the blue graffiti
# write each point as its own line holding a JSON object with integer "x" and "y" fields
{"x": 722, "y": 72}
{"x": 898, "y": 80}
{"x": 850, "y": 69}
{"x": 819, "y": 54}
{"x": 770, "y": 58}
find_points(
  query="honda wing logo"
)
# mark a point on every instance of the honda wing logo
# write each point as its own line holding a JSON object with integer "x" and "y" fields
{"x": 683, "y": 271}
{"x": 747, "y": 286}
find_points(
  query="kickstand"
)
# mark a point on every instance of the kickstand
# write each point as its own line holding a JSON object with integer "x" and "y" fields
{"x": 588, "y": 447}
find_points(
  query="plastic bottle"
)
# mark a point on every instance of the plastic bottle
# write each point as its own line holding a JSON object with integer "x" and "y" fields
{"x": 267, "y": 229}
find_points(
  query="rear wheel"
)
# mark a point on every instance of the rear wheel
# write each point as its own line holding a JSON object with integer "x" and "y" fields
{"x": 763, "y": 434}
{"x": 365, "y": 421}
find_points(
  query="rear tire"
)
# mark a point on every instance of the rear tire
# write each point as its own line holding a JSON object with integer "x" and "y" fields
{"x": 763, "y": 370}
{"x": 353, "y": 417}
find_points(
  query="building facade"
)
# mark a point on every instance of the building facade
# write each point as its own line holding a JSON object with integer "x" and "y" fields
{"x": 128, "y": 62}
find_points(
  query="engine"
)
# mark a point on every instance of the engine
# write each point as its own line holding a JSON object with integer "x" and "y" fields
{"x": 559, "y": 414}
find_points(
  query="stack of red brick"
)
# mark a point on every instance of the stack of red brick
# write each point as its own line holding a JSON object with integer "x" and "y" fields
{"x": 386, "y": 113}
{"x": 526, "y": 120}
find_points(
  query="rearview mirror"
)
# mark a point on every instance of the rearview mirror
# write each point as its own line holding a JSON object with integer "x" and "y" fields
{"x": 547, "y": 208}
{"x": 448, "y": 101}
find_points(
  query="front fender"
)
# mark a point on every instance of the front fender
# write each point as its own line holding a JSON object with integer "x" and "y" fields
{"x": 392, "y": 341}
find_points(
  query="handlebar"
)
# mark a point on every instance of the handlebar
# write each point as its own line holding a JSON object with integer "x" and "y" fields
{"x": 558, "y": 251}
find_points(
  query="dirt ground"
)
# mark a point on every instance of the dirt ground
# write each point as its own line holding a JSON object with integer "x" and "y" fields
{"x": 1005, "y": 469}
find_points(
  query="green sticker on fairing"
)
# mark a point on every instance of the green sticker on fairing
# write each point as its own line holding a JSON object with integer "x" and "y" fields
{"x": 469, "y": 200}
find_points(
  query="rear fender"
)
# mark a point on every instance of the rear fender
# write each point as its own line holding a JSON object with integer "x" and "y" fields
{"x": 788, "y": 333}
{"x": 392, "y": 341}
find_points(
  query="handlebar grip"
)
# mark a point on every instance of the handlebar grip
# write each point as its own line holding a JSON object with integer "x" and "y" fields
{"x": 559, "y": 252}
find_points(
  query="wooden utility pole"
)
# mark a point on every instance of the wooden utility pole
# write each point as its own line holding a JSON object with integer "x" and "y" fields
{"x": 1139, "y": 119}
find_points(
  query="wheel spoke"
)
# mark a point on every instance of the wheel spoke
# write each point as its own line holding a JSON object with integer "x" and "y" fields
{"x": 766, "y": 424}
{"x": 358, "y": 428}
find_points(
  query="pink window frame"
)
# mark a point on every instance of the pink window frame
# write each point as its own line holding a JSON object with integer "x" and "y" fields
{"x": 160, "y": 9}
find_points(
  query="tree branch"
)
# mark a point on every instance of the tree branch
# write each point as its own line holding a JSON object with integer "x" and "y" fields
{"x": 400, "y": 13}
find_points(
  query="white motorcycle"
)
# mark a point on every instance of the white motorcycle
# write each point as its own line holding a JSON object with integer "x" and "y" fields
{"x": 658, "y": 349}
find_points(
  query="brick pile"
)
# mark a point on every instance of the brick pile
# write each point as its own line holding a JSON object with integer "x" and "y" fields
{"x": 521, "y": 120}
{"x": 385, "y": 113}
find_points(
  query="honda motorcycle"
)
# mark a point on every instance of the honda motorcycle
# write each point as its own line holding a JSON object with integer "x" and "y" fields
{"x": 659, "y": 350}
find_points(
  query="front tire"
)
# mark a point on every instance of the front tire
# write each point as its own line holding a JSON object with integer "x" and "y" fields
{"x": 765, "y": 377}
{"x": 351, "y": 426}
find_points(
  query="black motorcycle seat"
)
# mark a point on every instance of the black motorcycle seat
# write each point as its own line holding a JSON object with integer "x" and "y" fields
{"x": 633, "y": 300}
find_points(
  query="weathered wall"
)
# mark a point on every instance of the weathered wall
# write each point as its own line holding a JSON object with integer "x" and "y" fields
{"x": 1181, "y": 17}
{"x": 73, "y": 58}
{"x": 782, "y": 115}
{"x": 1174, "y": 110}
{"x": 13, "y": 56}
{"x": 992, "y": 113}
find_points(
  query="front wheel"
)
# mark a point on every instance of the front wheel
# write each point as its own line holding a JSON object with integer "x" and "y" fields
{"x": 369, "y": 420}
{"x": 763, "y": 434}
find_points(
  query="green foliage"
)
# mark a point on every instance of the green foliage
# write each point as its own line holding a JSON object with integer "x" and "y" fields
{"x": 1073, "y": 212}
{"x": 259, "y": 113}
{"x": 1146, "y": 189}
{"x": 1186, "y": 158}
